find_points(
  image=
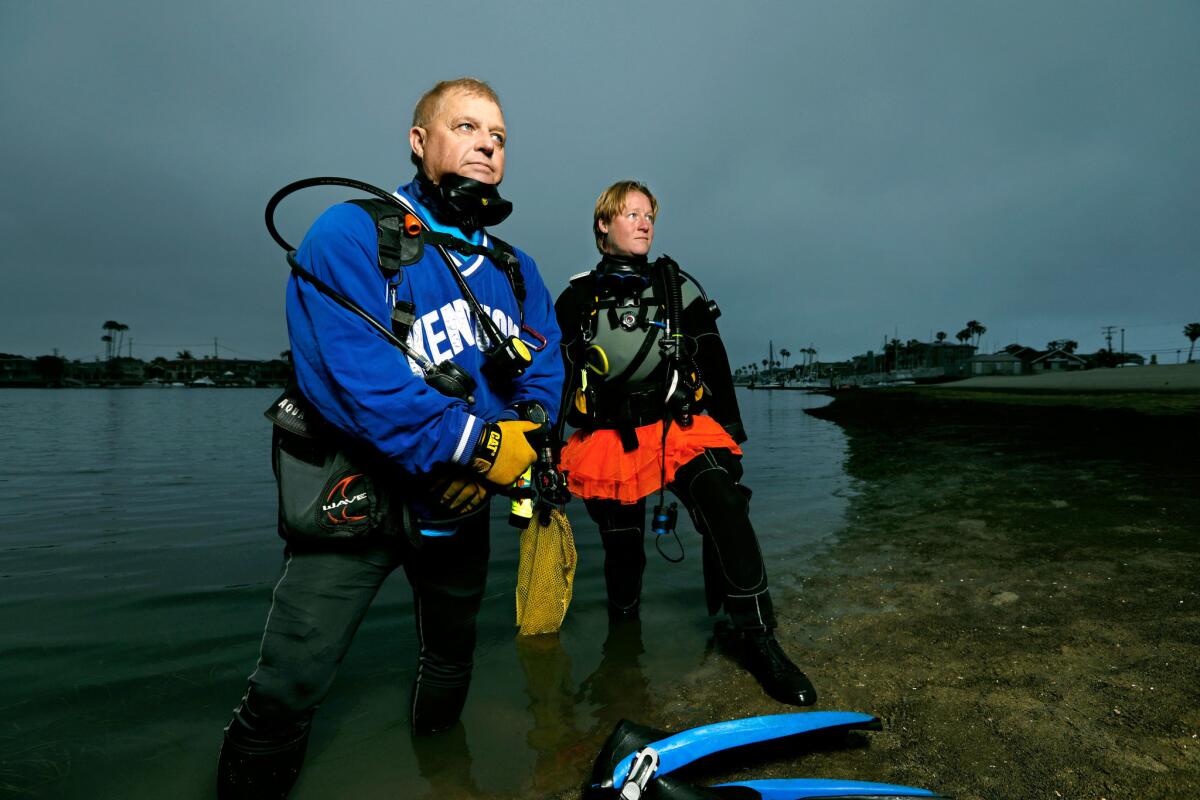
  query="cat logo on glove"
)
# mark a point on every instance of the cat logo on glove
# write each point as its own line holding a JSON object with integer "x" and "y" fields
{"x": 340, "y": 498}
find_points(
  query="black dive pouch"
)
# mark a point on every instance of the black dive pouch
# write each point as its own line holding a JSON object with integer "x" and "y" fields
{"x": 325, "y": 494}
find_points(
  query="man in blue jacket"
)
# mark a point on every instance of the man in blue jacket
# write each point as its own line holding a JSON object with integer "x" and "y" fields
{"x": 436, "y": 458}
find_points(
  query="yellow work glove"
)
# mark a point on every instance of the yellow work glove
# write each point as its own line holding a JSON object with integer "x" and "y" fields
{"x": 503, "y": 452}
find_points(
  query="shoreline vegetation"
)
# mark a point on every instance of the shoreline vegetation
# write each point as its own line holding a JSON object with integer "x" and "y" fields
{"x": 1013, "y": 593}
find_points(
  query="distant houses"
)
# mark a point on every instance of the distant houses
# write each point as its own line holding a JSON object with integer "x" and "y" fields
{"x": 931, "y": 362}
{"x": 1058, "y": 360}
{"x": 909, "y": 361}
{"x": 1001, "y": 363}
{"x": 18, "y": 371}
{"x": 53, "y": 371}
{"x": 1019, "y": 360}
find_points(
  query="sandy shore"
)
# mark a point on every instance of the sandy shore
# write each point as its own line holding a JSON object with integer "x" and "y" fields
{"x": 1018, "y": 603}
{"x": 1175, "y": 377}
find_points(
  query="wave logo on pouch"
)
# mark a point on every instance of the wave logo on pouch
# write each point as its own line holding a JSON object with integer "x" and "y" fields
{"x": 339, "y": 500}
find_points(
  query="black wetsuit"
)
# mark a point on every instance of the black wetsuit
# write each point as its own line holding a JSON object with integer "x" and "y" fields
{"x": 709, "y": 486}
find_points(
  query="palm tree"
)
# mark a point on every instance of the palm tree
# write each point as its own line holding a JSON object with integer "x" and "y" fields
{"x": 1192, "y": 332}
{"x": 786, "y": 354}
{"x": 107, "y": 346}
{"x": 121, "y": 328}
{"x": 110, "y": 327}
{"x": 975, "y": 329}
{"x": 963, "y": 335}
{"x": 941, "y": 336}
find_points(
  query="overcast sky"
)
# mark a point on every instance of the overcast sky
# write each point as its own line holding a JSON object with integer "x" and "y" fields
{"x": 833, "y": 172}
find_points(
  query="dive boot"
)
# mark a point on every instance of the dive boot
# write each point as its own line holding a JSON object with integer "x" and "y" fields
{"x": 436, "y": 708}
{"x": 250, "y": 773}
{"x": 629, "y": 614}
{"x": 779, "y": 677}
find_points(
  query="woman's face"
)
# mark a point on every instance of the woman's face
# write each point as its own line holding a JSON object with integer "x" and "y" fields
{"x": 630, "y": 233}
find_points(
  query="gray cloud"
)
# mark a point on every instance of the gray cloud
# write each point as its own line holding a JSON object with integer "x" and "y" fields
{"x": 832, "y": 172}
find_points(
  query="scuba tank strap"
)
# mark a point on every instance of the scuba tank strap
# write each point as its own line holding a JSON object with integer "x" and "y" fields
{"x": 584, "y": 288}
{"x": 511, "y": 266}
{"x": 400, "y": 240}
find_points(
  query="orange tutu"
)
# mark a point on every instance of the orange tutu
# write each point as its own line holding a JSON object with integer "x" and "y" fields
{"x": 598, "y": 468}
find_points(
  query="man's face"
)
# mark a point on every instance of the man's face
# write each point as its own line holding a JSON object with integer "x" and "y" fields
{"x": 466, "y": 137}
{"x": 631, "y": 232}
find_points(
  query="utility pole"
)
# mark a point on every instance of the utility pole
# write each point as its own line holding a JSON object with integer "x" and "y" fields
{"x": 1107, "y": 332}
{"x": 1122, "y": 344}
{"x": 216, "y": 356}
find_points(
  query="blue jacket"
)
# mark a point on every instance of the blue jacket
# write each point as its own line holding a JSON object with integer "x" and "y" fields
{"x": 369, "y": 389}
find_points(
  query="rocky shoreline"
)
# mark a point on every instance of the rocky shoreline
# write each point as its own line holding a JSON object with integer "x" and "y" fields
{"x": 1014, "y": 594}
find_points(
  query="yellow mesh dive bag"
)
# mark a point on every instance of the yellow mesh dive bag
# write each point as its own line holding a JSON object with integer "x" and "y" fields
{"x": 545, "y": 574}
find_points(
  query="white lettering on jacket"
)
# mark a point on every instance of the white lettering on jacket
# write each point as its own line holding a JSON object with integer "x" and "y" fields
{"x": 445, "y": 332}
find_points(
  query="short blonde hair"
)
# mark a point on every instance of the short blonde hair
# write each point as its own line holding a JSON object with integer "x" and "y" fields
{"x": 427, "y": 107}
{"x": 612, "y": 200}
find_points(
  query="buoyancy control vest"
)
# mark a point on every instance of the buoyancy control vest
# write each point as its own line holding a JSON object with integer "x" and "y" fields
{"x": 631, "y": 357}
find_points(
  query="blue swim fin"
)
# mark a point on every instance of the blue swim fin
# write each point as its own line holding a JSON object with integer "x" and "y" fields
{"x": 668, "y": 787}
{"x": 616, "y": 758}
{"x": 801, "y": 788}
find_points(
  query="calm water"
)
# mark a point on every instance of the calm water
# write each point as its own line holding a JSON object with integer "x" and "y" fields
{"x": 137, "y": 556}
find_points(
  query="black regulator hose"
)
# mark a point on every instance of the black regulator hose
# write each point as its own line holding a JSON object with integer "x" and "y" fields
{"x": 292, "y": 188}
{"x": 447, "y": 377}
{"x": 507, "y": 355}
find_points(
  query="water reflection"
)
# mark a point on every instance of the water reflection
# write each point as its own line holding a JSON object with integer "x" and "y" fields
{"x": 567, "y": 720}
{"x": 445, "y": 762}
{"x": 138, "y": 599}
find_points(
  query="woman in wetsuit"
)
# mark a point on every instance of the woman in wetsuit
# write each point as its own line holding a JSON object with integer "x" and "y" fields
{"x": 649, "y": 389}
